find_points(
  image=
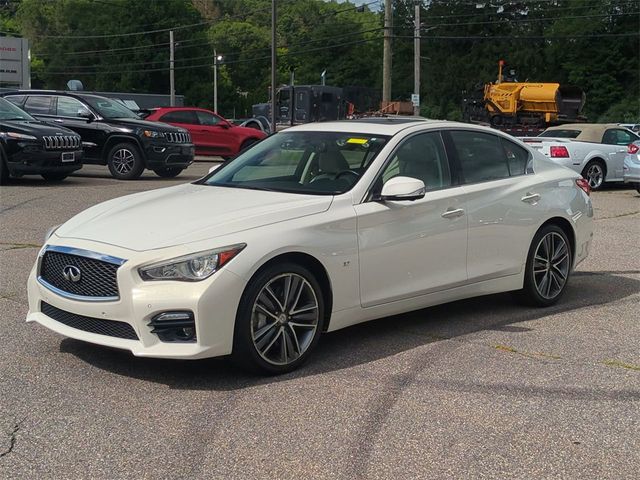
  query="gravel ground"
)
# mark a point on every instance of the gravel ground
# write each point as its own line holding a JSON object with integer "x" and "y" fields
{"x": 481, "y": 388}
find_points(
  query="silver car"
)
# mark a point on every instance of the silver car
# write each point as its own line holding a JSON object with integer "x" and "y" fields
{"x": 632, "y": 165}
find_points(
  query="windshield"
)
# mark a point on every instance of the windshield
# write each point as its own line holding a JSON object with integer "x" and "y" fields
{"x": 8, "y": 111}
{"x": 316, "y": 163}
{"x": 108, "y": 108}
{"x": 560, "y": 133}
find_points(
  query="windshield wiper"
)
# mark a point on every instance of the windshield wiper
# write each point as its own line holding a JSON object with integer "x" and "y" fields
{"x": 13, "y": 119}
{"x": 246, "y": 187}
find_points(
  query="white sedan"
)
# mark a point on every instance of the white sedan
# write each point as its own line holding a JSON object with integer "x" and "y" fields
{"x": 314, "y": 229}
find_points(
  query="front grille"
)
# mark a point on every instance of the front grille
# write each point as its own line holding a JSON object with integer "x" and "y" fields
{"x": 109, "y": 328}
{"x": 61, "y": 142}
{"x": 179, "y": 137}
{"x": 97, "y": 277}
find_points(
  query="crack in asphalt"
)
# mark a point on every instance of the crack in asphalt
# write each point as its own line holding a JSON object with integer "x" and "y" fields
{"x": 12, "y": 438}
{"x": 618, "y": 215}
{"x": 19, "y": 204}
{"x": 18, "y": 246}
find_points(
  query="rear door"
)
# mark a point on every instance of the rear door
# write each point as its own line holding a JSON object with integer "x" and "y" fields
{"x": 501, "y": 198}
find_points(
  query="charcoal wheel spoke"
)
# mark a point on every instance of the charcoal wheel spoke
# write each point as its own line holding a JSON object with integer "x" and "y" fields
{"x": 551, "y": 263}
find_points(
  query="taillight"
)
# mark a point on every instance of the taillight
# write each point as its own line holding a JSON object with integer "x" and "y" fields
{"x": 633, "y": 148}
{"x": 583, "y": 185}
{"x": 559, "y": 152}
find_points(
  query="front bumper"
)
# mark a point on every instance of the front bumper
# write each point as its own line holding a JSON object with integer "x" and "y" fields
{"x": 35, "y": 161}
{"x": 166, "y": 155}
{"x": 632, "y": 170}
{"x": 213, "y": 301}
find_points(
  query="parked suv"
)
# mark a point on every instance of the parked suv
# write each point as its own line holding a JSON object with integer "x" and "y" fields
{"x": 111, "y": 133}
{"x": 212, "y": 134}
{"x": 28, "y": 146}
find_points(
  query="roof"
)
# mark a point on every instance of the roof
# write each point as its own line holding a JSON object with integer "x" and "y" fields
{"x": 373, "y": 125}
{"x": 589, "y": 132}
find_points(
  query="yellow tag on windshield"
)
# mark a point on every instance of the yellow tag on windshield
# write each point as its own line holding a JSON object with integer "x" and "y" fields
{"x": 357, "y": 141}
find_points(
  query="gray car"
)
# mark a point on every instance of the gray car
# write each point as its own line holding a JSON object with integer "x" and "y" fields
{"x": 632, "y": 164}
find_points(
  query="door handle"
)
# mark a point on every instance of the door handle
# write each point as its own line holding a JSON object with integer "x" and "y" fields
{"x": 451, "y": 213}
{"x": 531, "y": 197}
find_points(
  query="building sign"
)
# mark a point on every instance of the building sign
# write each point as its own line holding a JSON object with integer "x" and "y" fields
{"x": 14, "y": 62}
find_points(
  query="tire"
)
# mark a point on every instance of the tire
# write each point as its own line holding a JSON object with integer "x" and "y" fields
{"x": 4, "y": 170}
{"x": 267, "y": 340}
{"x": 246, "y": 144}
{"x": 549, "y": 240}
{"x": 125, "y": 161}
{"x": 168, "y": 172}
{"x": 594, "y": 173}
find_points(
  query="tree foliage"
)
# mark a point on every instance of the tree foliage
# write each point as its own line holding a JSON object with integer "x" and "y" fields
{"x": 581, "y": 42}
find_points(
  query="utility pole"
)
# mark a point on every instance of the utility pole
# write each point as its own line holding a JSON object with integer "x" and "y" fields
{"x": 416, "y": 57}
{"x": 172, "y": 83}
{"x": 215, "y": 81}
{"x": 386, "y": 56}
{"x": 273, "y": 66}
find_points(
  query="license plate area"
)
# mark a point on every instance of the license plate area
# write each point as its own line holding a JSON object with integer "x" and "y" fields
{"x": 68, "y": 156}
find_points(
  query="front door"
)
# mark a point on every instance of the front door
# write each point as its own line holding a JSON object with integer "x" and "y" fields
{"x": 410, "y": 248}
{"x": 75, "y": 115}
{"x": 215, "y": 133}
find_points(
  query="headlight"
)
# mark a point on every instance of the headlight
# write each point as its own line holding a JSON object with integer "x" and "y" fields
{"x": 50, "y": 232}
{"x": 191, "y": 268}
{"x": 152, "y": 134}
{"x": 17, "y": 136}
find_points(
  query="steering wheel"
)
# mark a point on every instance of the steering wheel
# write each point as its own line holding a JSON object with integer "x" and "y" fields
{"x": 346, "y": 172}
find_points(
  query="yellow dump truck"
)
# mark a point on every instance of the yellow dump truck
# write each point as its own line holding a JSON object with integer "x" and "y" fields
{"x": 508, "y": 103}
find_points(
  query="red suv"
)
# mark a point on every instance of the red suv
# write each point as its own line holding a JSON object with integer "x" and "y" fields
{"x": 211, "y": 134}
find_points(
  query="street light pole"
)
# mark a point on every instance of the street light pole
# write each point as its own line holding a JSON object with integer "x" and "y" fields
{"x": 416, "y": 57}
{"x": 172, "y": 85}
{"x": 386, "y": 54}
{"x": 273, "y": 66}
{"x": 215, "y": 81}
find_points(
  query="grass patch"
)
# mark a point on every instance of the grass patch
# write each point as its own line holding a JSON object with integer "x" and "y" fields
{"x": 619, "y": 364}
{"x": 505, "y": 348}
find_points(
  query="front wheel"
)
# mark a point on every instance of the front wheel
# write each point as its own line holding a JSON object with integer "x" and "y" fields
{"x": 548, "y": 266}
{"x": 125, "y": 161}
{"x": 594, "y": 173}
{"x": 279, "y": 319}
{"x": 168, "y": 172}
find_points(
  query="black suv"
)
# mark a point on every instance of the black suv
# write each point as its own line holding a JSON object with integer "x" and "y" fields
{"x": 111, "y": 133}
{"x": 28, "y": 146}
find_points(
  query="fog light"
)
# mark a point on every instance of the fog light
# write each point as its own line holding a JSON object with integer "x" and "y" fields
{"x": 179, "y": 326}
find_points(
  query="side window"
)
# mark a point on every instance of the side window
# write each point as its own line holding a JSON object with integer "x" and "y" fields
{"x": 482, "y": 157}
{"x": 38, "y": 105}
{"x": 423, "y": 157}
{"x": 180, "y": 116}
{"x": 70, "y": 107}
{"x": 16, "y": 99}
{"x": 206, "y": 118}
{"x": 517, "y": 157}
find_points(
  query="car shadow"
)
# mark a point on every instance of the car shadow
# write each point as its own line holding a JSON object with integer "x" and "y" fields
{"x": 370, "y": 341}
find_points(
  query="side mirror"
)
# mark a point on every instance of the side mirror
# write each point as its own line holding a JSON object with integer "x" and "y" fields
{"x": 402, "y": 189}
{"x": 225, "y": 125}
{"x": 86, "y": 114}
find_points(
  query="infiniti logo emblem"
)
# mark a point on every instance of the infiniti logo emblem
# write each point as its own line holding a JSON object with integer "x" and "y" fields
{"x": 71, "y": 273}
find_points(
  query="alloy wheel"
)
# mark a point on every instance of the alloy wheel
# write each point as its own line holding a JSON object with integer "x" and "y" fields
{"x": 595, "y": 176}
{"x": 123, "y": 161}
{"x": 551, "y": 265}
{"x": 284, "y": 319}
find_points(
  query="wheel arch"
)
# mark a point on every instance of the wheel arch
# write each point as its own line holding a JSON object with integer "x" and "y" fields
{"x": 115, "y": 139}
{"x": 566, "y": 226}
{"x": 598, "y": 158}
{"x": 318, "y": 270}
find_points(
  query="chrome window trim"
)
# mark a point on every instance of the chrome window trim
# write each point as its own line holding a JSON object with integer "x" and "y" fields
{"x": 80, "y": 253}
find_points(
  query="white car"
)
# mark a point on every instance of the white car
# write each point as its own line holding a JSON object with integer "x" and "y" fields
{"x": 314, "y": 229}
{"x": 595, "y": 150}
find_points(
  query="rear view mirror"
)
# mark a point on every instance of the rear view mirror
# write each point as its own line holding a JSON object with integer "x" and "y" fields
{"x": 402, "y": 189}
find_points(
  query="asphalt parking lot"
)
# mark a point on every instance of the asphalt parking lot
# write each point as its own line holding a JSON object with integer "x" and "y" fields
{"x": 481, "y": 388}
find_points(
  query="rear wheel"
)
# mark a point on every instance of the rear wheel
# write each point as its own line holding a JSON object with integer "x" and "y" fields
{"x": 125, "y": 161}
{"x": 54, "y": 177}
{"x": 594, "y": 173}
{"x": 168, "y": 172}
{"x": 548, "y": 267}
{"x": 279, "y": 319}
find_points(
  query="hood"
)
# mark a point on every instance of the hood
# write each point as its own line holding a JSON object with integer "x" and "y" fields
{"x": 135, "y": 123}
{"x": 34, "y": 127}
{"x": 185, "y": 214}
